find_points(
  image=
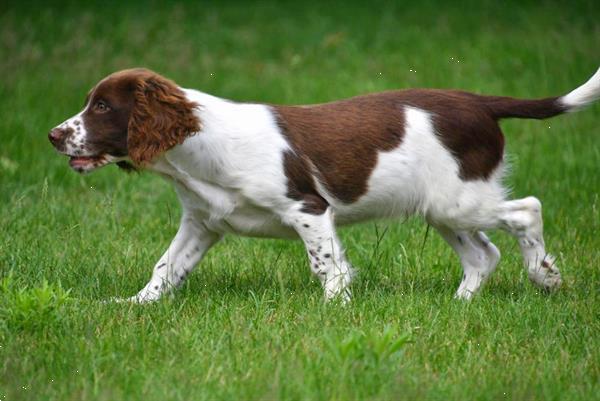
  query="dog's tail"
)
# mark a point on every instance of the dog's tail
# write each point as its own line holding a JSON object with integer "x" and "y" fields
{"x": 506, "y": 107}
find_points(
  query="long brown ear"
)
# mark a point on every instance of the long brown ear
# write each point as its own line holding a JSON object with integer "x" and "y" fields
{"x": 161, "y": 118}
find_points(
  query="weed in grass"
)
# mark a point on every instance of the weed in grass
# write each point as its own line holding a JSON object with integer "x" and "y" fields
{"x": 31, "y": 309}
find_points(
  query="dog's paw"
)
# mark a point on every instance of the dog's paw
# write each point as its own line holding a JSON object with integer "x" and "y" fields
{"x": 464, "y": 294}
{"x": 140, "y": 298}
{"x": 546, "y": 276}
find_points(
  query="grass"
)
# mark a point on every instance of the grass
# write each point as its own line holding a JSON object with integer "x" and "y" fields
{"x": 250, "y": 322}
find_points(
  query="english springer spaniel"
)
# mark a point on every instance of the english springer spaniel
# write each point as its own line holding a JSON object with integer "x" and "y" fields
{"x": 299, "y": 171}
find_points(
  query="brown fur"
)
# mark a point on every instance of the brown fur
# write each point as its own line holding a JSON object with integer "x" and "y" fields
{"x": 301, "y": 185}
{"x": 506, "y": 107}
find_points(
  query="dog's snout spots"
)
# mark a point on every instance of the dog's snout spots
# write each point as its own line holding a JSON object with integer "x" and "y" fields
{"x": 70, "y": 137}
{"x": 58, "y": 135}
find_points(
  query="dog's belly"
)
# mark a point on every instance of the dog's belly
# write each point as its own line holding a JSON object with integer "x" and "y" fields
{"x": 253, "y": 221}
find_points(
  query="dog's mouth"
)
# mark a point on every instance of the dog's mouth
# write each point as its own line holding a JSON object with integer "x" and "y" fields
{"x": 85, "y": 164}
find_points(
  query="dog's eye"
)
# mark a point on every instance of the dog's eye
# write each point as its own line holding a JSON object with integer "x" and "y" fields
{"x": 101, "y": 106}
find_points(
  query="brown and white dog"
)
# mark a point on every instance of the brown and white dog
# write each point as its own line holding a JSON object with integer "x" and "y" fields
{"x": 298, "y": 171}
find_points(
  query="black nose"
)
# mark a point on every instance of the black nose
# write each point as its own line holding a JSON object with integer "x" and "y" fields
{"x": 56, "y": 135}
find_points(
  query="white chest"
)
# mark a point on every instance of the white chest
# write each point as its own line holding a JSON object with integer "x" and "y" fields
{"x": 224, "y": 209}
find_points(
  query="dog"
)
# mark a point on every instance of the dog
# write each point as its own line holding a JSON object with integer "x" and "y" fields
{"x": 299, "y": 171}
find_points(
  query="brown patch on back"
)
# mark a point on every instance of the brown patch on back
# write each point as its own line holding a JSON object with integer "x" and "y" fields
{"x": 338, "y": 142}
{"x": 341, "y": 141}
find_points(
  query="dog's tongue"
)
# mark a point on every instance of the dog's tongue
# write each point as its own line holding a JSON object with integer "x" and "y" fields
{"x": 81, "y": 161}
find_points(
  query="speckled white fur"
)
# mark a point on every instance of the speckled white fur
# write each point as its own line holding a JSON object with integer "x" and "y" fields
{"x": 75, "y": 142}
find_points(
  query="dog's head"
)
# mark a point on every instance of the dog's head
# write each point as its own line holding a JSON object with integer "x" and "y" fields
{"x": 129, "y": 116}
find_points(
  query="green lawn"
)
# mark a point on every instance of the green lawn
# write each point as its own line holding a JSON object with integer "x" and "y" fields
{"x": 250, "y": 323}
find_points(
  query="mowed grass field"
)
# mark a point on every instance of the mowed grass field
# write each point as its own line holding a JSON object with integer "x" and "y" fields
{"x": 250, "y": 323}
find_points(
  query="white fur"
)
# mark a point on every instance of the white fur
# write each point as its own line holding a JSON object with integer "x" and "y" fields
{"x": 584, "y": 95}
{"x": 230, "y": 179}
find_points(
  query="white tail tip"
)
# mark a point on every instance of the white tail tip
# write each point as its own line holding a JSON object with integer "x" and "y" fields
{"x": 584, "y": 95}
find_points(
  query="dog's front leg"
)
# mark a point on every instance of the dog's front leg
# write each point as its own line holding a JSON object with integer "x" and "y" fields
{"x": 188, "y": 247}
{"x": 325, "y": 252}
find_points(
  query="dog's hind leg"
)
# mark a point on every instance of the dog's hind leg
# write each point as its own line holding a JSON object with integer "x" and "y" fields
{"x": 523, "y": 219}
{"x": 520, "y": 217}
{"x": 478, "y": 257}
